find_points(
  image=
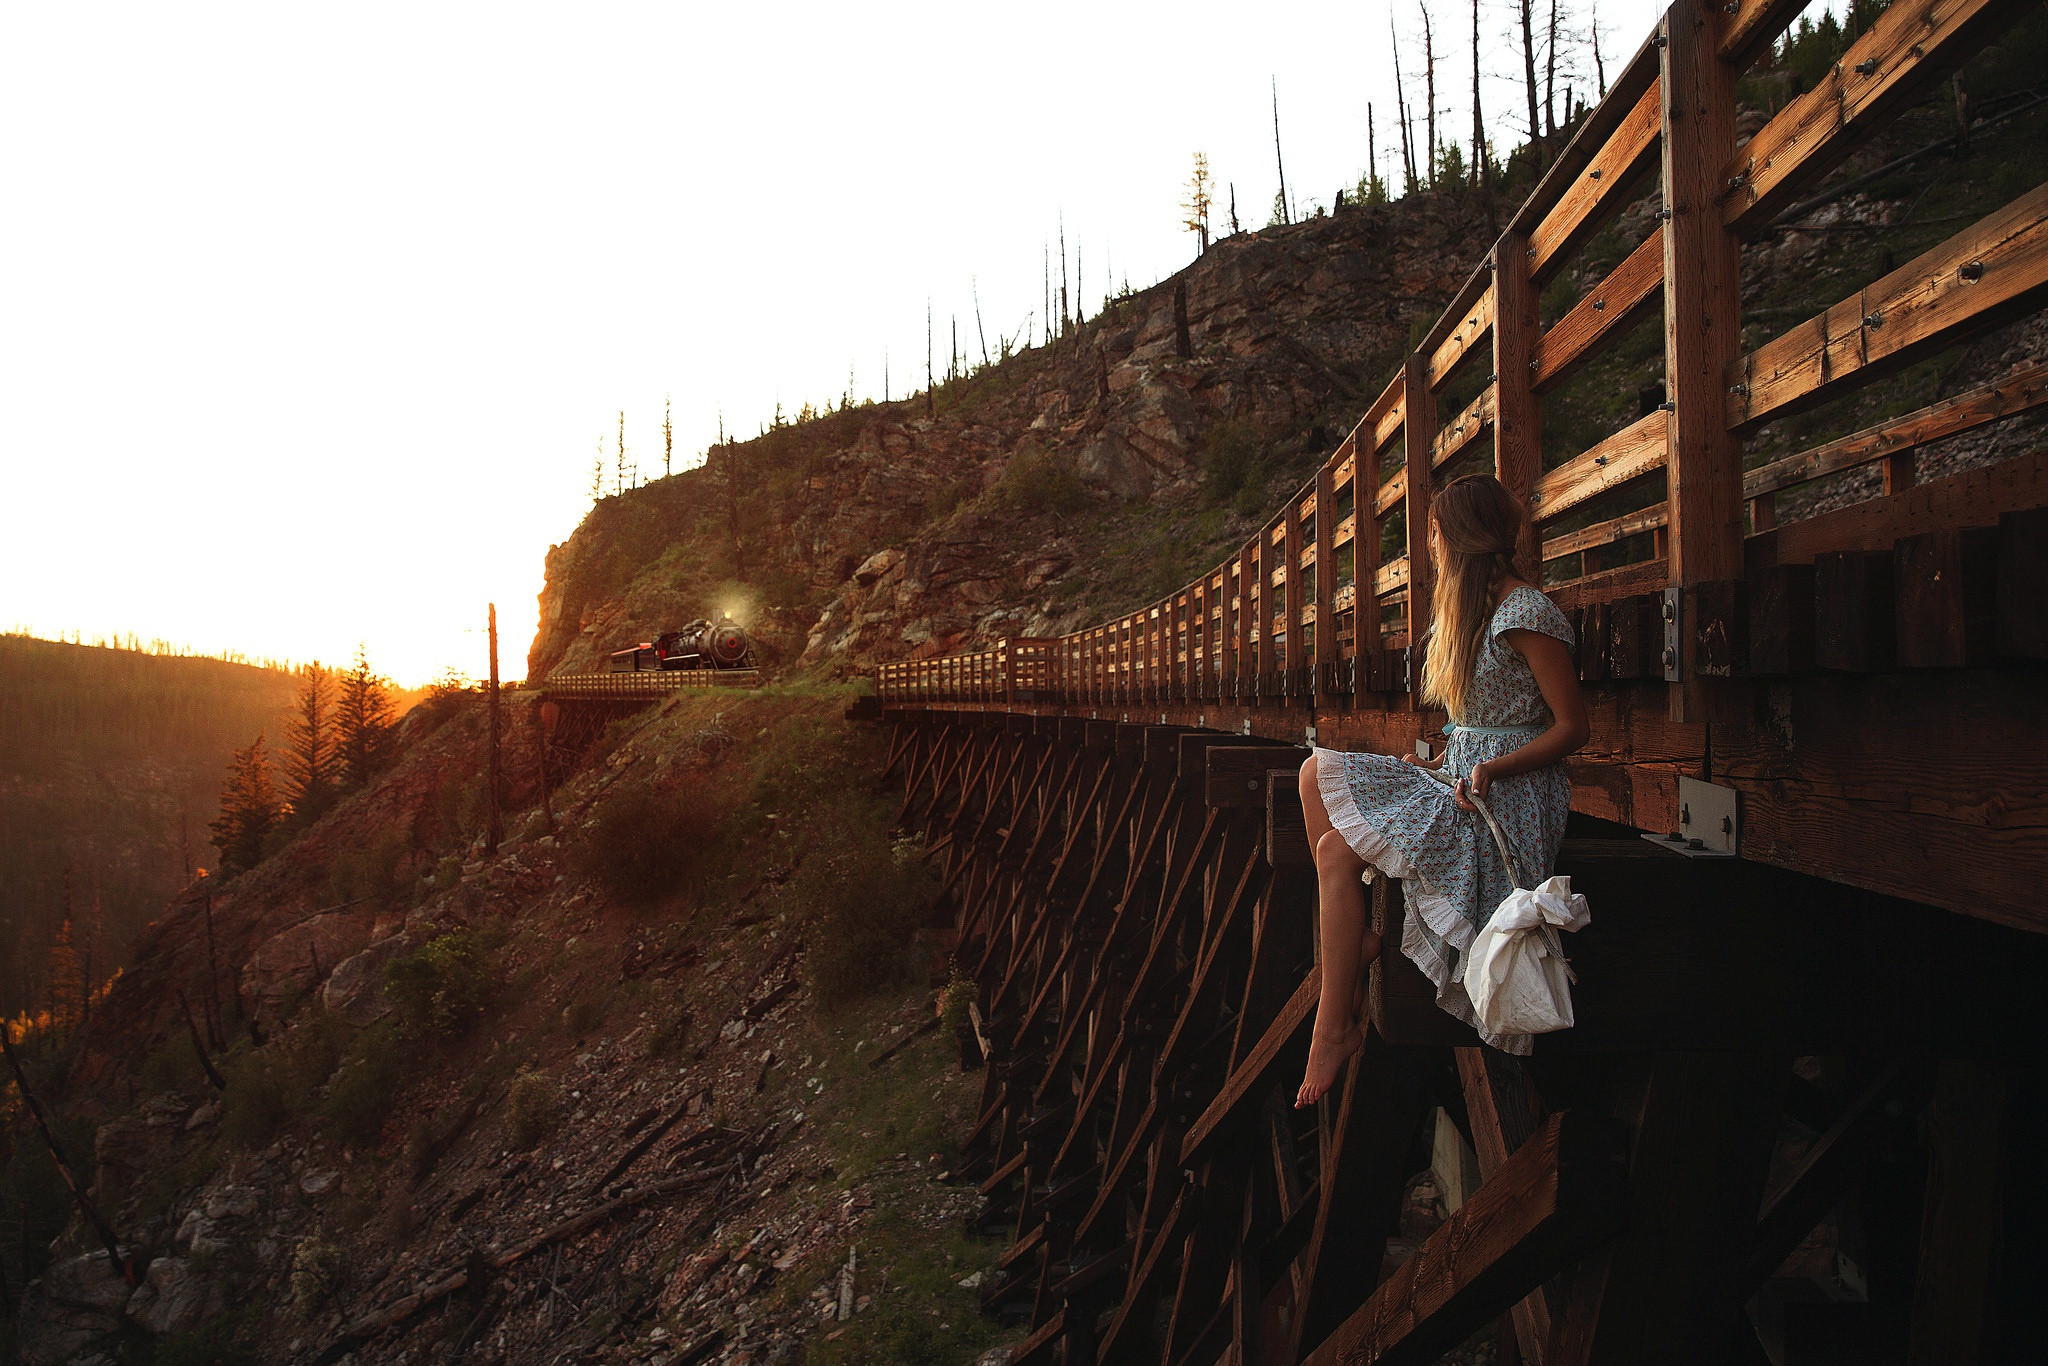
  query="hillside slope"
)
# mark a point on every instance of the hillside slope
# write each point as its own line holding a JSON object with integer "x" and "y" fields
{"x": 111, "y": 763}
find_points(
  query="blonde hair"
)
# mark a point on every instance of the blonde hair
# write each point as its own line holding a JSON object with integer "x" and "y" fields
{"x": 1478, "y": 521}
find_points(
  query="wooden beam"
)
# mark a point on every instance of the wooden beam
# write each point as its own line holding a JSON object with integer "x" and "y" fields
{"x": 1419, "y": 401}
{"x": 1607, "y": 532}
{"x": 1703, "y": 1125}
{"x": 1476, "y": 418}
{"x": 1558, "y": 1195}
{"x": 1294, "y": 1019}
{"x": 1702, "y": 302}
{"x": 1824, "y": 1175}
{"x": 1754, "y": 26}
{"x": 1586, "y": 204}
{"x": 1959, "y": 1226}
{"x": 1910, "y": 44}
{"x": 1469, "y": 333}
{"x": 1615, "y": 304}
{"x": 2017, "y": 393}
{"x": 1993, "y": 270}
{"x": 1632, "y": 452}
{"x": 1946, "y": 600}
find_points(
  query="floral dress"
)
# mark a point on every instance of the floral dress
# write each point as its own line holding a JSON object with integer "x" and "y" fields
{"x": 1408, "y": 824}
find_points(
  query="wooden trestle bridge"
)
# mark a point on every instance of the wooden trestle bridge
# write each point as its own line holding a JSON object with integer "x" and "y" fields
{"x": 1799, "y": 1115}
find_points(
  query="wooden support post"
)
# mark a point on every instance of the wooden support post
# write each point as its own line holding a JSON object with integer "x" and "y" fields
{"x": 1665, "y": 1291}
{"x": 1365, "y": 564}
{"x": 2022, "y": 600}
{"x": 1324, "y": 660}
{"x": 1291, "y": 601}
{"x": 1419, "y": 428}
{"x": 1517, "y": 412}
{"x": 1959, "y": 1227}
{"x": 1702, "y": 316}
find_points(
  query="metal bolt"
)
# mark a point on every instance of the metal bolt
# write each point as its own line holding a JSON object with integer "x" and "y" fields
{"x": 1668, "y": 406}
{"x": 1661, "y": 40}
{"x": 1867, "y": 67}
{"x": 1600, "y": 460}
{"x": 1596, "y": 176}
{"x": 1670, "y": 610}
{"x": 1670, "y": 658}
{"x": 1971, "y": 272}
{"x": 1599, "y": 305}
{"x": 1873, "y": 320}
{"x": 1727, "y": 826}
{"x": 1695, "y": 844}
{"x": 1664, "y": 215}
{"x": 1684, "y": 814}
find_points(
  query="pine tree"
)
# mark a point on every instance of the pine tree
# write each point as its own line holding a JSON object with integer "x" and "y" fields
{"x": 668, "y": 440}
{"x": 362, "y": 718}
{"x": 248, "y": 809}
{"x": 310, "y": 762}
{"x": 1195, "y": 207}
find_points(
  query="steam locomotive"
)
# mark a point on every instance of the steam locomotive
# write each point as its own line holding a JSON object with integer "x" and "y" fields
{"x": 702, "y": 644}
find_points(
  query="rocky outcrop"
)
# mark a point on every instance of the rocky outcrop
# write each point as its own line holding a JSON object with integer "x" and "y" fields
{"x": 889, "y": 532}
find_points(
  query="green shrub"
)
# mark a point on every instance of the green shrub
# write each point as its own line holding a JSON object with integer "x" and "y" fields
{"x": 369, "y": 873}
{"x": 270, "y": 1085}
{"x": 1231, "y": 462}
{"x": 318, "y": 1267}
{"x": 863, "y": 902}
{"x": 440, "y": 990}
{"x": 531, "y": 1103}
{"x": 647, "y": 843}
{"x": 357, "y": 1103}
{"x": 1036, "y": 481}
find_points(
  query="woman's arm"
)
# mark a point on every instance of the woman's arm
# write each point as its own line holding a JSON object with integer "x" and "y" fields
{"x": 1558, "y": 678}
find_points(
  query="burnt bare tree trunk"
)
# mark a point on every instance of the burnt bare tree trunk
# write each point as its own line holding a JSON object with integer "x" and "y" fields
{"x": 1482, "y": 164}
{"x": 1529, "y": 80}
{"x": 1286, "y": 214}
{"x": 1550, "y": 76}
{"x": 1401, "y": 107}
{"x": 92, "y": 1215}
{"x": 1182, "y": 346}
{"x": 1429, "y": 93}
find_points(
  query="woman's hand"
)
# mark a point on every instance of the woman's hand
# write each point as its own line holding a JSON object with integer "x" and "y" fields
{"x": 1479, "y": 784}
{"x": 1437, "y": 762}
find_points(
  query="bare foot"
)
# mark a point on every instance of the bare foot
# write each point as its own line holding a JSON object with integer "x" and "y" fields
{"x": 1326, "y": 1056}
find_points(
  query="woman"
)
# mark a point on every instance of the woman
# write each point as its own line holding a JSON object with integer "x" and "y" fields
{"x": 1499, "y": 662}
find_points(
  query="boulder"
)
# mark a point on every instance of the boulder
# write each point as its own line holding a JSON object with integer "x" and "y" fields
{"x": 299, "y": 959}
{"x": 355, "y": 989}
{"x": 75, "y": 1303}
{"x": 1108, "y": 462}
{"x": 175, "y": 1297}
{"x": 876, "y": 565}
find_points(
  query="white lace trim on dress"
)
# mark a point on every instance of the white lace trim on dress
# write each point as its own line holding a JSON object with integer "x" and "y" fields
{"x": 1425, "y": 905}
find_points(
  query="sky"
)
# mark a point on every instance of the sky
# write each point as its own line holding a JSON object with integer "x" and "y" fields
{"x": 313, "y": 316}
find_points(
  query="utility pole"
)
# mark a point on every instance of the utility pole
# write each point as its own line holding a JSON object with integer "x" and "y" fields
{"x": 493, "y": 831}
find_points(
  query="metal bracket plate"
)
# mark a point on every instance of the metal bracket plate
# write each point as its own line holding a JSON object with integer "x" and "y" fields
{"x": 1709, "y": 822}
{"x": 1674, "y": 656}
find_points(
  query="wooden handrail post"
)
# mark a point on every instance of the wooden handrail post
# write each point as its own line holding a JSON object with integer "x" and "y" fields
{"x": 1517, "y": 413}
{"x": 1365, "y": 564}
{"x": 1702, "y": 321}
{"x": 1325, "y": 582}
{"x": 1419, "y": 435}
{"x": 1290, "y": 600}
{"x": 1249, "y": 598}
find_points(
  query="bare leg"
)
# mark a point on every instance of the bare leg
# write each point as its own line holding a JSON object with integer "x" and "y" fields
{"x": 1348, "y": 944}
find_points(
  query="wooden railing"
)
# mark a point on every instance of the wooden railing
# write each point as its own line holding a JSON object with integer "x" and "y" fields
{"x": 1308, "y": 612}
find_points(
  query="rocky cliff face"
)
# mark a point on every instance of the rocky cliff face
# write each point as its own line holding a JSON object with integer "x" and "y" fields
{"x": 1008, "y": 504}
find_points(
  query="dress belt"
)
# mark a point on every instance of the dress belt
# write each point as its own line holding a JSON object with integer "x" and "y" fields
{"x": 1454, "y": 727}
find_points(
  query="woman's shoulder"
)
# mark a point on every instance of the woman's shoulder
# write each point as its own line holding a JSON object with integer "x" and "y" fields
{"x": 1528, "y": 608}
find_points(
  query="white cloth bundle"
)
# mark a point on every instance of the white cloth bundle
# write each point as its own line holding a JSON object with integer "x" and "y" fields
{"x": 1515, "y": 971}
